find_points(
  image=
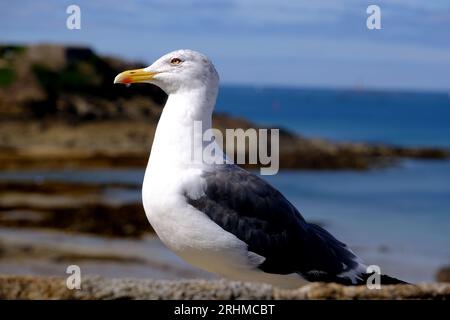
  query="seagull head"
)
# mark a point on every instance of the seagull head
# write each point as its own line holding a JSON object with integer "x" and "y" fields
{"x": 175, "y": 72}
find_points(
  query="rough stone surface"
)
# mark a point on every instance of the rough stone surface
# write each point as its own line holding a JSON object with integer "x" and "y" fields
{"x": 19, "y": 287}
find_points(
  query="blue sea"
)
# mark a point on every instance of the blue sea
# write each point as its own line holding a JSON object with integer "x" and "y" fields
{"x": 396, "y": 217}
{"x": 400, "y": 118}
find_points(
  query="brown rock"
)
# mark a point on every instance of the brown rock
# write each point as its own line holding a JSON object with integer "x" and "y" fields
{"x": 16, "y": 287}
{"x": 443, "y": 275}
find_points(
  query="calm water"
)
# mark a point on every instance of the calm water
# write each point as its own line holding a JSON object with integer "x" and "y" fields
{"x": 414, "y": 119}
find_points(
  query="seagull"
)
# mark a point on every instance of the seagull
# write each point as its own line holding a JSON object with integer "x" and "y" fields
{"x": 220, "y": 217}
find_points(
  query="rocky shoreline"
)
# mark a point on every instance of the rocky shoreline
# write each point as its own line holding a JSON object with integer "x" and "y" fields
{"x": 126, "y": 144}
{"x": 71, "y": 207}
{"x": 26, "y": 287}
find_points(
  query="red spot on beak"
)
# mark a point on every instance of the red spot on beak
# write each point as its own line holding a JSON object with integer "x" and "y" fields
{"x": 126, "y": 80}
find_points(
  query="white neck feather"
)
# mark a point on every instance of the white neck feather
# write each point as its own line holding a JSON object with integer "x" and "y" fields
{"x": 173, "y": 142}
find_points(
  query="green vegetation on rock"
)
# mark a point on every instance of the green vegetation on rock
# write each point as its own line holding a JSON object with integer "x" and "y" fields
{"x": 6, "y": 76}
{"x": 7, "y": 50}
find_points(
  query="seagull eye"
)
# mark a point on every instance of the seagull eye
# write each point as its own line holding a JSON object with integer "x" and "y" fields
{"x": 175, "y": 61}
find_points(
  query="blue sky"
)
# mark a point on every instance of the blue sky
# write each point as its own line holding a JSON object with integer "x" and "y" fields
{"x": 259, "y": 42}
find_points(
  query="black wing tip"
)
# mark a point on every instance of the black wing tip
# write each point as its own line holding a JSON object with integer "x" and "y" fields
{"x": 361, "y": 279}
{"x": 384, "y": 280}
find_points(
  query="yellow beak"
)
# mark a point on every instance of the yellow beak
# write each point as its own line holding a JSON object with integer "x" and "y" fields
{"x": 134, "y": 76}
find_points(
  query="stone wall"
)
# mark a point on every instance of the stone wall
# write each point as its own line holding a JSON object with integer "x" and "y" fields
{"x": 19, "y": 287}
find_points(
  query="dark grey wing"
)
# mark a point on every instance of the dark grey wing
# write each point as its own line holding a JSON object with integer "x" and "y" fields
{"x": 258, "y": 214}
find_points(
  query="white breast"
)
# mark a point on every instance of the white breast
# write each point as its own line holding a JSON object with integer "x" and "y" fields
{"x": 189, "y": 232}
